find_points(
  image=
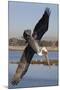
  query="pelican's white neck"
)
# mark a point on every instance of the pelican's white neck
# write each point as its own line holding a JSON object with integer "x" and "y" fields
{"x": 40, "y": 53}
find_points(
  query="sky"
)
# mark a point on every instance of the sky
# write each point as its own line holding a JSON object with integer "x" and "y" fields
{"x": 24, "y": 15}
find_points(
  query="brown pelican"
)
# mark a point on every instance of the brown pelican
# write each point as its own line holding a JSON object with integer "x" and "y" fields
{"x": 32, "y": 46}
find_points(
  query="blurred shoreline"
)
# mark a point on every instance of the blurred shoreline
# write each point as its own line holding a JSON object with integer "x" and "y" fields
{"x": 21, "y": 48}
{"x": 52, "y": 62}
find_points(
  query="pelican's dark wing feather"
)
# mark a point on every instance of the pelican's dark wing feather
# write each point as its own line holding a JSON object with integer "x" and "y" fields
{"x": 42, "y": 25}
{"x": 23, "y": 65}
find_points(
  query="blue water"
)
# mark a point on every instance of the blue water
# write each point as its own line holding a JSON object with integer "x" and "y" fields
{"x": 16, "y": 55}
{"x": 37, "y": 75}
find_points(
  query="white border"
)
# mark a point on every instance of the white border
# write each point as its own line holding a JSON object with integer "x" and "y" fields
{"x": 39, "y": 1}
{"x": 4, "y": 42}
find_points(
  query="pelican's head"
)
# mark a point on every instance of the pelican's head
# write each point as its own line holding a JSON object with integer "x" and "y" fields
{"x": 44, "y": 52}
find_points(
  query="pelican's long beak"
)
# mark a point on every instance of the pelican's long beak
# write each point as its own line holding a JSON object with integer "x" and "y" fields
{"x": 46, "y": 56}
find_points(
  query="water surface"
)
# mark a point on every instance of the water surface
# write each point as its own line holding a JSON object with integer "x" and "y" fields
{"x": 16, "y": 55}
{"x": 37, "y": 74}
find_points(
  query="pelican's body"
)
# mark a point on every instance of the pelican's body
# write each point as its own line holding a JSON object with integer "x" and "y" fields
{"x": 34, "y": 44}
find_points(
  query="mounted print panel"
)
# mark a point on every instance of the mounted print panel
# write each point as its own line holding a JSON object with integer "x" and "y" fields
{"x": 33, "y": 44}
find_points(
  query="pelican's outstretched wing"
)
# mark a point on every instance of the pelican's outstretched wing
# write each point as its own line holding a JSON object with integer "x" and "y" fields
{"x": 42, "y": 25}
{"x": 23, "y": 65}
